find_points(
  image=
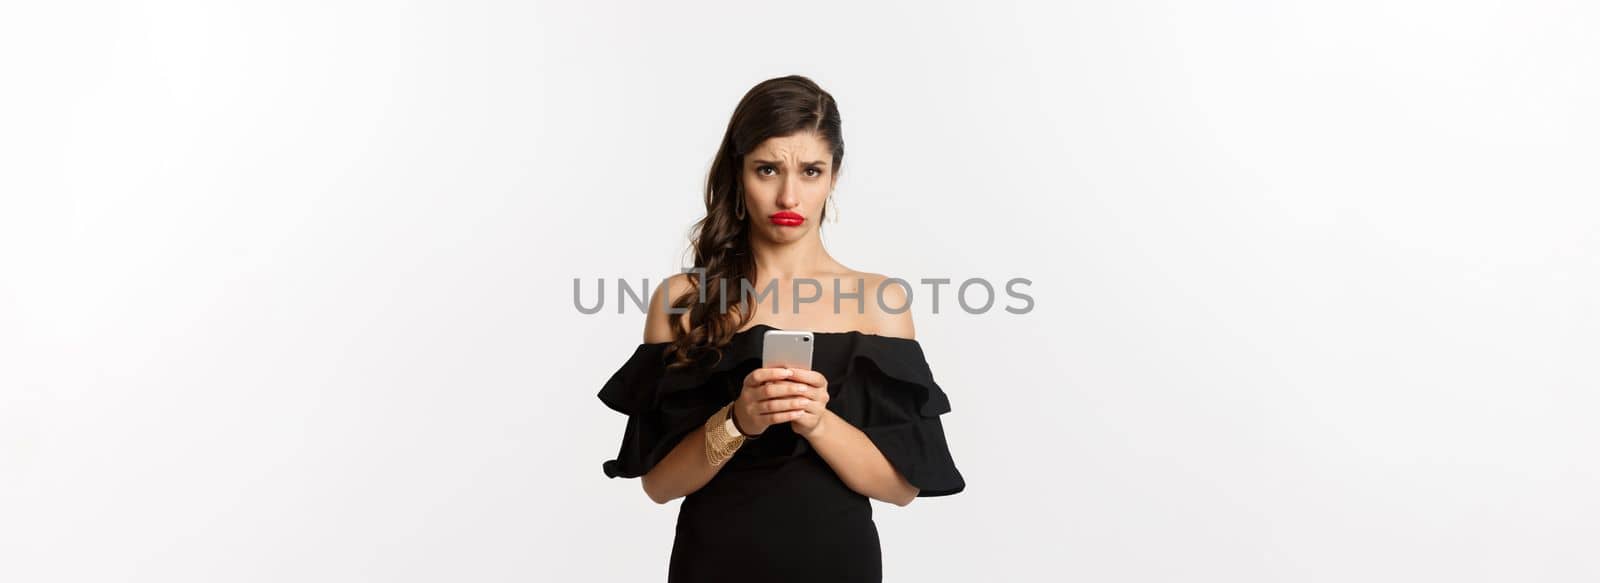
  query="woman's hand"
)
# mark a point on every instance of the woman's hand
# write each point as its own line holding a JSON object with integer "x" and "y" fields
{"x": 814, "y": 411}
{"x": 769, "y": 398}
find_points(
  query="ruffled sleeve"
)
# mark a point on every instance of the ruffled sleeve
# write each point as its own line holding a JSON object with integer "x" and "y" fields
{"x": 663, "y": 405}
{"x": 891, "y": 394}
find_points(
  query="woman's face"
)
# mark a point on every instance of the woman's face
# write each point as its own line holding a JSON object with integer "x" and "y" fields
{"x": 786, "y": 182}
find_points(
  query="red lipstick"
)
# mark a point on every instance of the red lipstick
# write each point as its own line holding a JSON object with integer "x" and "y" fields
{"x": 787, "y": 219}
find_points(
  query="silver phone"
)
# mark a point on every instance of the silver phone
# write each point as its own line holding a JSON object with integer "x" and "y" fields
{"x": 786, "y": 349}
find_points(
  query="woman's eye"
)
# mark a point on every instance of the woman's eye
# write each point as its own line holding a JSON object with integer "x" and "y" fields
{"x": 762, "y": 170}
{"x": 818, "y": 172}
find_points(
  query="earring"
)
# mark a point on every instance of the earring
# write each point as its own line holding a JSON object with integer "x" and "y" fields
{"x": 827, "y": 206}
{"x": 738, "y": 206}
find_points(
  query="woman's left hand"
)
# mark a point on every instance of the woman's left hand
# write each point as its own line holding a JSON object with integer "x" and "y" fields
{"x": 815, "y": 410}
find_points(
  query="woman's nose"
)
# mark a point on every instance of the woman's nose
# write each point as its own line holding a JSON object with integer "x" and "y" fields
{"x": 788, "y": 194}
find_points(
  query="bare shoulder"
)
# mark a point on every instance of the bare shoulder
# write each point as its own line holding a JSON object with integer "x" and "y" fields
{"x": 887, "y": 313}
{"x": 658, "y": 323}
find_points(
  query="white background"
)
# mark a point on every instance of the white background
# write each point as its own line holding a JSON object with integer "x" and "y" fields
{"x": 286, "y": 287}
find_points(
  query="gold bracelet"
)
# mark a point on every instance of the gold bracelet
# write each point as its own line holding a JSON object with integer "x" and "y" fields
{"x": 720, "y": 446}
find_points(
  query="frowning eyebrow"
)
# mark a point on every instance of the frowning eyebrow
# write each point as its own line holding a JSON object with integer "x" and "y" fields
{"x": 823, "y": 163}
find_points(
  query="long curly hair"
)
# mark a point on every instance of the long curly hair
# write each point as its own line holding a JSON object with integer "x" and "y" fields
{"x": 779, "y": 107}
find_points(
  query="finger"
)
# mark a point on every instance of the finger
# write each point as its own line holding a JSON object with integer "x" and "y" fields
{"x": 780, "y": 405}
{"x": 765, "y": 375}
{"x": 780, "y": 389}
{"x": 782, "y": 416}
{"x": 809, "y": 377}
{"x": 819, "y": 394}
{"x": 814, "y": 407}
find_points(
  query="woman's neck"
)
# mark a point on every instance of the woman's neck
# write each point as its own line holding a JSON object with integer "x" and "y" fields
{"x": 803, "y": 258}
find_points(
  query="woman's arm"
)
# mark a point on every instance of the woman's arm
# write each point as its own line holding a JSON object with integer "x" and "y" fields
{"x": 858, "y": 461}
{"x": 685, "y": 468}
{"x": 683, "y": 471}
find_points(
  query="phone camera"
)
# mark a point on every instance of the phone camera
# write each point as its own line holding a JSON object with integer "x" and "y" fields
{"x": 804, "y": 339}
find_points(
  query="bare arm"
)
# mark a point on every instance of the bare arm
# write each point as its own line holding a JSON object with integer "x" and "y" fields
{"x": 683, "y": 471}
{"x": 859, "y": 462}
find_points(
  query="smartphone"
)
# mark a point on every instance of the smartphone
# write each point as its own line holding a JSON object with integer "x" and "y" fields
{"x": 786, "y": 349}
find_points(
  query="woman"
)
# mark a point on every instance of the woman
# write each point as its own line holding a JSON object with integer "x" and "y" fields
{"x": 776, "y": 465}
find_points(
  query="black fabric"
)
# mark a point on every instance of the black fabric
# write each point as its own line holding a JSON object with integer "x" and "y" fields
{"x": 776, "y": 511}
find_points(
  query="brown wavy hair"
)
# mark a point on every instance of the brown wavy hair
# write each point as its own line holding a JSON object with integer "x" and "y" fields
{"x": 779, "y": 107}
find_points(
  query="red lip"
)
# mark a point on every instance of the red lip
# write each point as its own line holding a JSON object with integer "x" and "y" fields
{"x": 787, "y": 219}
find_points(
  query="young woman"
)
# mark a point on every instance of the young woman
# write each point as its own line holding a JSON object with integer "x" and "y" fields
{"x": 776, "y": 465}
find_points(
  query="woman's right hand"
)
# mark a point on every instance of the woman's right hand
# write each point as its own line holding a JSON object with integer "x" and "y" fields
{"x": 768, "y": 399}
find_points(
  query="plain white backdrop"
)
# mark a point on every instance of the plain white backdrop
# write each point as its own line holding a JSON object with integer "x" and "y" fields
{"x": 286, "y": 287}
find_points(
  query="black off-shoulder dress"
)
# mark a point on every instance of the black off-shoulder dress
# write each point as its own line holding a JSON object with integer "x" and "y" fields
{"x": 776, "y": 511}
